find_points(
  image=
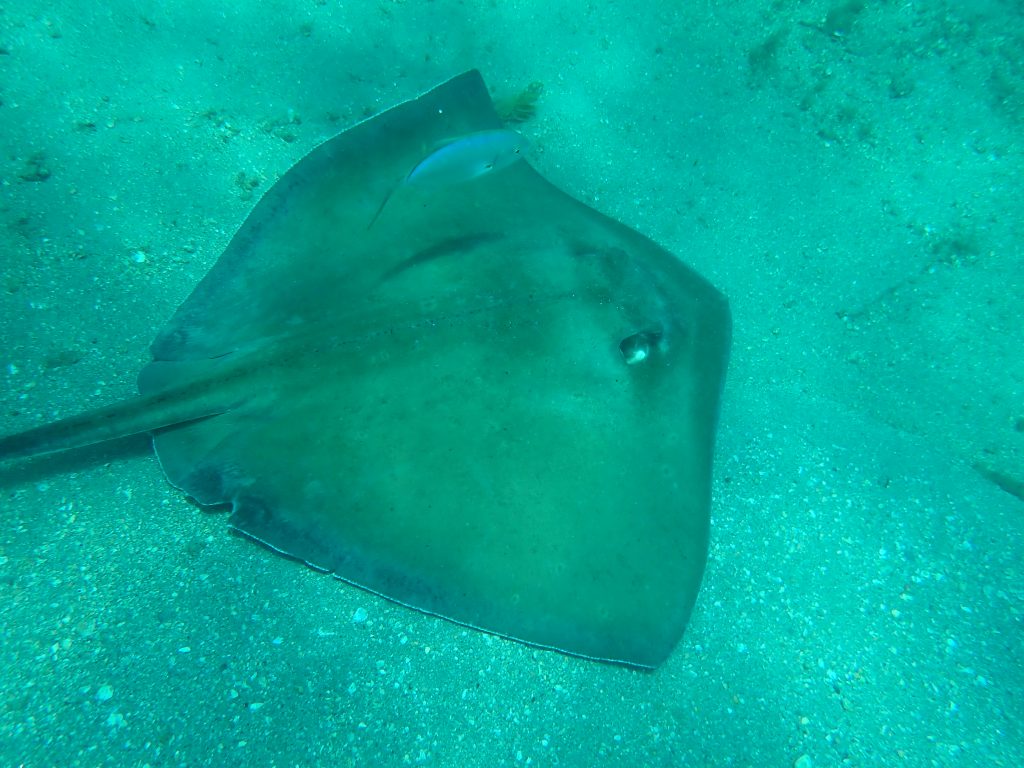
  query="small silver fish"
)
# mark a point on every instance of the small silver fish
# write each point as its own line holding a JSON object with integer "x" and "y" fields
{"x": 463, "y": 159}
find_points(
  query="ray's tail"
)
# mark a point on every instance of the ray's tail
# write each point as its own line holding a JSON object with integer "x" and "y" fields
{"x": 145, "y": 413}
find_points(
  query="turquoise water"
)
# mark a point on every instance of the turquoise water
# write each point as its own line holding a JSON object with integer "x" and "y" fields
{"x": 848, "y": 174}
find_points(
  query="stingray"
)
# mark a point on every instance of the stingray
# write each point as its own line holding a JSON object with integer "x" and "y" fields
{"x": 494, "y": 405}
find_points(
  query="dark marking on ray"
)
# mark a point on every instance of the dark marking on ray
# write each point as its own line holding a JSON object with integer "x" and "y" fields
{"x": 455, "y": 246}
{"x": 497, "y": 405}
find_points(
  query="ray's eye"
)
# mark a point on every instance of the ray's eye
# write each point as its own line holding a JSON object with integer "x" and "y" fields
{"x": 639, "y": 347}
